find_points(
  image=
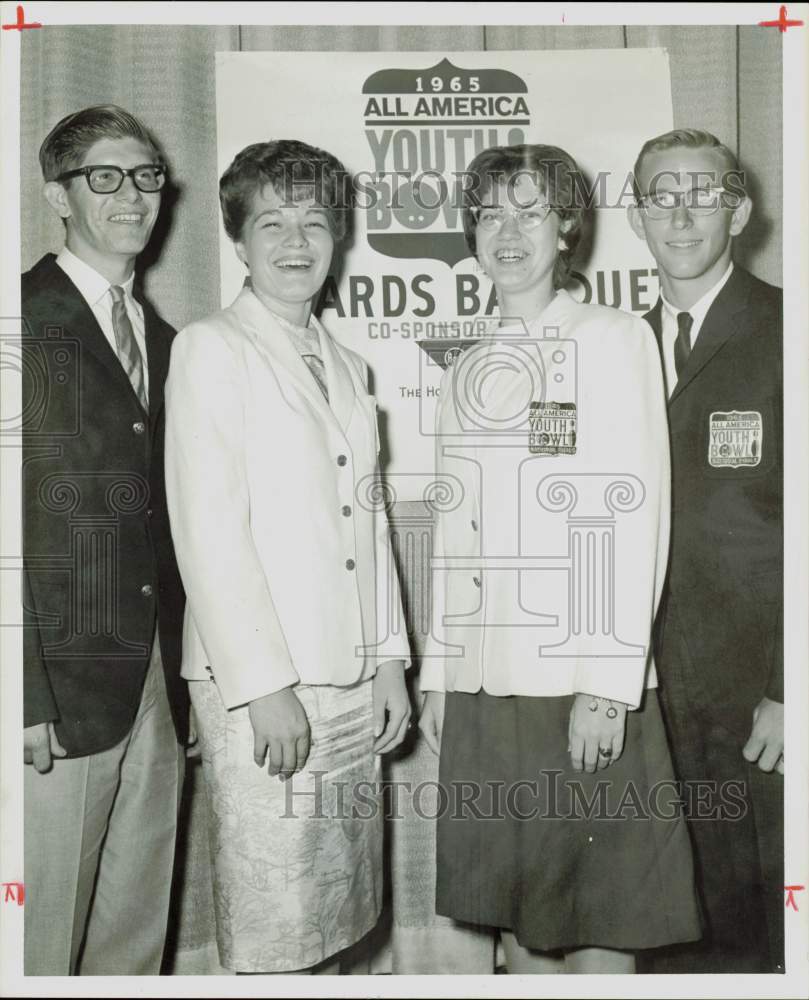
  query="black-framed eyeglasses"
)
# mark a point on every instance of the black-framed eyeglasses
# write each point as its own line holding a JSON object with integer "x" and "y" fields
{"x": 148, "y": 177}
{"x": 698, "y": 201}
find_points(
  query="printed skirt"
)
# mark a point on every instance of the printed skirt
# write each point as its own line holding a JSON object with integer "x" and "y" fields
{"x": 563, "y": 859}
{"x": 298, "y": 864}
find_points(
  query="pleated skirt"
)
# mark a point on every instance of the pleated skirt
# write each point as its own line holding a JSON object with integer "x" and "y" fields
{"x": 564, "y": 860}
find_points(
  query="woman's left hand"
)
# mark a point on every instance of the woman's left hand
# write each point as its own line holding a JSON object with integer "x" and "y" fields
{"x": 390, "y": 699}
{"x": 593, "y": 731}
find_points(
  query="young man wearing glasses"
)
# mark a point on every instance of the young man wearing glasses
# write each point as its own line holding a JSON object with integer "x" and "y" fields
{"x": 105, "y": 709}
{"x": 719, "y": 632}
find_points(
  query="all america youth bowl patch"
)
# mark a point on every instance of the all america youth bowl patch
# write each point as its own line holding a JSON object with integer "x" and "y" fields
{"x": 735, "y": 439}
{"x": 552, "y": 428}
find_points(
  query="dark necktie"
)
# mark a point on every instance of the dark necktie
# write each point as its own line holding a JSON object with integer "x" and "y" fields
{"x": 682, "y": 345}
{"x": 128, "y": 350}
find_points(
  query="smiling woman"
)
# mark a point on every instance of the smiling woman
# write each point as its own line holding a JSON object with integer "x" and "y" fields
{"x": 561, "y": 403}
{"x": 287, "y": 249}
{"x": 270, "y": 431}
{"x": 285, "y": 205}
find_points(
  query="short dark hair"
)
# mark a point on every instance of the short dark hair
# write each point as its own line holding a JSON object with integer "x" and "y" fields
{"x": 67, "y": 142}
{"x": 297, "y": 171}
{"x": 687, "y": 138}
{"x": 555, "y": 173}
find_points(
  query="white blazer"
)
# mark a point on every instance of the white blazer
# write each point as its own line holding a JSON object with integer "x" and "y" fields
{"x": 554, "y": 573}
{"x": 287, "y": 567}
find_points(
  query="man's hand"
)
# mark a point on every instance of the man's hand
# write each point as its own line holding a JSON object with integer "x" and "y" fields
{"x": 391, "y": 699}
{"x": 40, "y": 746}
{"x": 766, "y": 743}
{"x": 431, "y": 720}
{"x": 280, "y": 726}
{"x": 590, "y": 731}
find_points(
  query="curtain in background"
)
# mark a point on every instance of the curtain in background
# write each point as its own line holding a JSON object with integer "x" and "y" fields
{"x": 724, "y": 79}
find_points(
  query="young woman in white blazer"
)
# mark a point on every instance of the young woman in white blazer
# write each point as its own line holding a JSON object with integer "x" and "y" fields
{"x": 297, "y": 684}
{"x": 550, "y": 562}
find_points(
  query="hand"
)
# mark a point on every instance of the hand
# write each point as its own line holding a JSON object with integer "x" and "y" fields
{"x": 590, "y": 730}
{"x": 192, "y": 747}
{"x": 40, "y": 746}
{"x": 280, "y": 726}
{"x": 766, "y": 743}
{"x": 431, "y": 720}
{"x": 391, "y": 697}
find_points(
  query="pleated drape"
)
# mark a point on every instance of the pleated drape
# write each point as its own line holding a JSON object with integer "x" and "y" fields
{"x": 165, "y": 76}
{"x": 724, "y": 79}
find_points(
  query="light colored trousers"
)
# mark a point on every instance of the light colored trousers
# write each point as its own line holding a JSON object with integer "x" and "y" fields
{"x": 99, "y": 849}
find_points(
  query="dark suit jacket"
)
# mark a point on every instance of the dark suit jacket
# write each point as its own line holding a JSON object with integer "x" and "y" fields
{"x": 725, "y": 588}
{"x": 99, "y": 563}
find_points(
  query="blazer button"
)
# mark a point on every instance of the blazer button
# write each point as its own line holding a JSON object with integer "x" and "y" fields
{"x": 146, "y": 590}
{"x": 474, "y": 525}
{"x": 346, "y": 511}
{"x": 476, "y": 580}
{"x": 139, "y": 427}
{"x": 350, "y": 564}
{"x": 149, "y": 512}
{"x": 341, "y": 460}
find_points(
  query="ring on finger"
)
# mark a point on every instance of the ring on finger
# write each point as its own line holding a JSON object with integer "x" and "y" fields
{"x": 605, "y": 752}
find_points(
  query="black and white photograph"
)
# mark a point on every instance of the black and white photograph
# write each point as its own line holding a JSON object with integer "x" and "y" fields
{"x": 405, "y": 471}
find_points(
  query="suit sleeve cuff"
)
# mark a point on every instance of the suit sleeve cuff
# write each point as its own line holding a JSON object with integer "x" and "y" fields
{"x": 431, "y": 675}
{"x": 237, "y": 693}
{"x": 622, "y": 681}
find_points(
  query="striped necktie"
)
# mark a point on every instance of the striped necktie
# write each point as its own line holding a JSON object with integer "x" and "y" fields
{"x": 682, "y": 345}
{"x": 128, "y": 350}
{"x": 318, "y": 370}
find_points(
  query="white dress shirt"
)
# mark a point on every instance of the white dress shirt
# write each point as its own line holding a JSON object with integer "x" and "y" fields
{"x": 95, "y": 290}
{"x": 698, "y": 312}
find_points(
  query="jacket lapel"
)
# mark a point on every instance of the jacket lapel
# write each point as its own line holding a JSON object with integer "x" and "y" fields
{"x": 718, "y": 327}
{"x": 273, "y": 341}
{"x": 65, "y": 302}
{"x": 655, "y": 321}
{"x": 342, "y": 391}
{"x": 158, "y": 348}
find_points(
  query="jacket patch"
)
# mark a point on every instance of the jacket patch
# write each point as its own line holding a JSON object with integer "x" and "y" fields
{"x": 552, "y": 429}
{"x": 735, "y": 439}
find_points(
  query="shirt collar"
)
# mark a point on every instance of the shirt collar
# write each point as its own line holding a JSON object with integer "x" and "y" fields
{"x": 92, "y": 285}
{"x": 305, "y": 338}
{"x": 700, "y": 308}
{"x": 534, "y": 327}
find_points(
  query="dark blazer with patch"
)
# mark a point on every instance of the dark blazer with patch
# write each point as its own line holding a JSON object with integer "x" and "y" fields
{"x": 99, "y": 563}
{"x": 724, "y": 595}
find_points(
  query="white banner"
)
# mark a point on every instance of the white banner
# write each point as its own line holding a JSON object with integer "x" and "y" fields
{"x": 407, "y": 125}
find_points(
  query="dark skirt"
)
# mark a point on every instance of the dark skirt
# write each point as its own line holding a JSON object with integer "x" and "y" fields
{"x": 563, "y": 859}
